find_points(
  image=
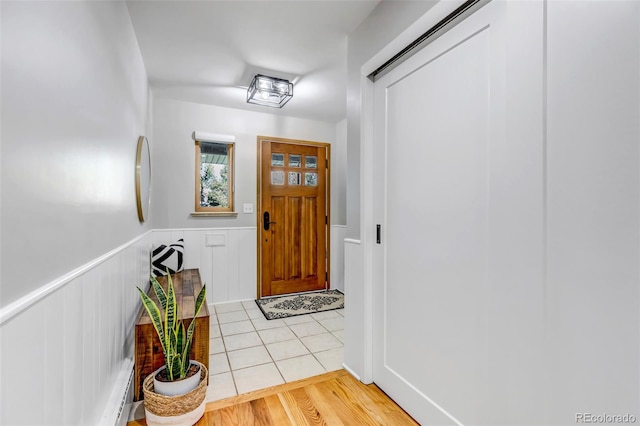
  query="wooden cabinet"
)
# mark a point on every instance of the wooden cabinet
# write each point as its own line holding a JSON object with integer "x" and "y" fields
{"x": 148, "y": 350}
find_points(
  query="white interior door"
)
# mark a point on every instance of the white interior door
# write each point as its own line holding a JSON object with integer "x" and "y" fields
{"x": 435, "y": 118}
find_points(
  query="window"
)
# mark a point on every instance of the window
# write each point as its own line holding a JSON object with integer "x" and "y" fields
{"x": 214, "y": 177}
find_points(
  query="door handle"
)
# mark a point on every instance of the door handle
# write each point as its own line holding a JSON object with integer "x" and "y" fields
{"x": 266, "y": 221}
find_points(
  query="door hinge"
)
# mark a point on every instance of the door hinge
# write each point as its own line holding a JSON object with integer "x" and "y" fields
{"x": 326, "y": 220}
{"x": 378, "y": 234}
{"x": 326, "y": 277}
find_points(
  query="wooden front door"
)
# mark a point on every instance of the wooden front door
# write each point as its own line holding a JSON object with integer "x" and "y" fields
{"x": 293, "y": 216}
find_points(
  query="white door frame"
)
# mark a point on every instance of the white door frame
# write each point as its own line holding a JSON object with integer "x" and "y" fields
{"x": 367, "y": 226}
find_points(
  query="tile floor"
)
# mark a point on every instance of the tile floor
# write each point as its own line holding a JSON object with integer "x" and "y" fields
{"x": 249, "y": 352}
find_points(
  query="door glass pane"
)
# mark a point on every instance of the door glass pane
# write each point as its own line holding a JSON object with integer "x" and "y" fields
{"x": 311, "y": 179}
{"x": 277, "y": 160}
{"x": 294, "y": 178}
{"x": 311, "y": 162}
{"x": 294, "y": 160}
{"x": 277, "y": 177}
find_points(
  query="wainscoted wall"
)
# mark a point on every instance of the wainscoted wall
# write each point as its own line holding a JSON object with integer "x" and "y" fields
{"x": 66, "y": 352}
{"x": 73, "y": 249}
{"x": 354, "y": 329}
{"x": 67, "y": 348}
{"x": 338, "y": 232}
{"x": 227, "y": 259}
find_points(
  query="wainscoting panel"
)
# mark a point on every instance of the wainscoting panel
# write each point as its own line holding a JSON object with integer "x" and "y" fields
{"x": 53, "y": 352}
{"x": 74, "y": 323}
{"x": 22, "y": 368}
{"x": 354, "y": 328}
{"x": 63, "y": 353}
{"x": 338, "y": 232}
{"x": 227, "y": 259}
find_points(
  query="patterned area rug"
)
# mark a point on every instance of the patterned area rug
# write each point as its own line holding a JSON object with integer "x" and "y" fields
{"x": 300, "y": 304}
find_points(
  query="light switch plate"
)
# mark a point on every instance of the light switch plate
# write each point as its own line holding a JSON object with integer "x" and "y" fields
{"x": 247, "y": 208}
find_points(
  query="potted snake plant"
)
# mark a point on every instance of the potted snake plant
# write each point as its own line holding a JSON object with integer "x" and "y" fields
{"x": 179, "y": 386}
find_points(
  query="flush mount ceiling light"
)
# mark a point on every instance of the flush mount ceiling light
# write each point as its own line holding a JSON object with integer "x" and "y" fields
{"x": 269, "y": 91}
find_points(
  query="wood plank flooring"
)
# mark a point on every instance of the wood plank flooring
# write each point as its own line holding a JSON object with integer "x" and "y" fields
{"x": 335, "y": 398}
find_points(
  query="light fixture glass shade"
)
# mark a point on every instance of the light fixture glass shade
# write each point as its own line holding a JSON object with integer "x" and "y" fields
{"x": 269, "y": 91}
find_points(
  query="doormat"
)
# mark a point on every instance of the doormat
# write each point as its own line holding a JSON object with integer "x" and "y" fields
{"x": 300, "y": 304}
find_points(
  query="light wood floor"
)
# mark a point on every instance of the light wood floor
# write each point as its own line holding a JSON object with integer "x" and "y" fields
{"x": 330, "y": 399}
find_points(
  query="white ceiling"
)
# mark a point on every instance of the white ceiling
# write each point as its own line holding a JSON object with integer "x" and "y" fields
{"x": 208, "y": 51}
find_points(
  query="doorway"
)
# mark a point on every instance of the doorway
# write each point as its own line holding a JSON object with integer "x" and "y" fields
{"x": 293, "y": 216}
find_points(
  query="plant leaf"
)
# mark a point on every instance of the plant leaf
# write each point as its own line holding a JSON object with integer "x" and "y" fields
{"x": 187, "y": 358}
{"x": 175, "y": 355}
{"x": 175, "y": 340}
{"x": 154, "y": 314}
{"x": 199, "y": 302}
{"x": 170, "y": 362}
{"x": 184, "y": 356}
{"x": 171, "y": 312}
{"x": 160, "y": 294}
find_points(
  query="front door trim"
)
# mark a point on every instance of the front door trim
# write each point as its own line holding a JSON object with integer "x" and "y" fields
{"x": 259, "y": 207}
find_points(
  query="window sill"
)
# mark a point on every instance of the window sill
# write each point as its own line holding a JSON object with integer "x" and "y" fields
{"x": 214, "y": 214}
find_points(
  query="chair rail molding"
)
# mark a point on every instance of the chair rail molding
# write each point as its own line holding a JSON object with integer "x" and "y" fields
{"x": 14, "y": 308}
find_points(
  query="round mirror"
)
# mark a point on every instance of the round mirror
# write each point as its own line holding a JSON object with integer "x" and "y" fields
{"x": 143, "y": 178}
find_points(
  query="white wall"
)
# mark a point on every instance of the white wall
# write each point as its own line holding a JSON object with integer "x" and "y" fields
{"x": 339, "y": 203}
{"x": 592, "y": 246}
{"x": 339, "y": 175}
{"x": 74, "y": 100}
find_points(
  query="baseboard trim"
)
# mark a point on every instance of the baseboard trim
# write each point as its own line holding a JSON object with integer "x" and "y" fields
{"x": 28, "y": 300}
{"x": 350, "y": 371}
{"x": 119, "y": 403}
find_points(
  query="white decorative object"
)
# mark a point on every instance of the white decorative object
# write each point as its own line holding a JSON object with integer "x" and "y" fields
{"x": 211, "y": 137}
{"x": 176, "y": 387}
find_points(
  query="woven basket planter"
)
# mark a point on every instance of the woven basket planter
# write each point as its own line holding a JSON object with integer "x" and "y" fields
{"x": 183, "y": 410}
